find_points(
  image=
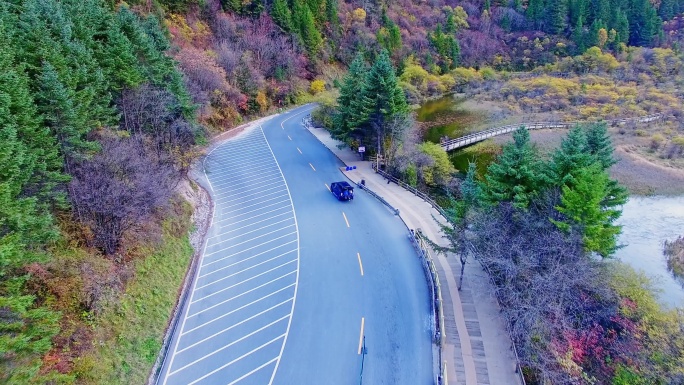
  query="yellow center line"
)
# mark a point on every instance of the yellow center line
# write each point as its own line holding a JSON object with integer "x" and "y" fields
{"x": 345, "y": 219}
{"x": 289, "y": 137}
{"x": 312, "y": 167}
{"x": 360, "y": 264}
{"x": 328, "y": 187}
{"x": 300, "y": 151}
{"x": 363, "y": 320}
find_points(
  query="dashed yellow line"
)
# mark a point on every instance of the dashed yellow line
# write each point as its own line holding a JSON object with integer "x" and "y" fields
{"x": 345, "y": 219}
{"x": 361, "y": 335}
{"x": 360, "y": 264}
{"x": 312, "y": 167}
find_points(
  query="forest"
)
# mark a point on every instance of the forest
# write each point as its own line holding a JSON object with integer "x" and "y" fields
{"x": 104, "y": 106}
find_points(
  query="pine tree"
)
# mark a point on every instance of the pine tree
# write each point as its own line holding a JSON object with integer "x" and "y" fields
{"x": 305, "y": 25}
{"x": 280, "y": 11}
{"x": 557, "y": 16}
{"x": 348, "y": 115}
{"x": 57, "y": 105}
{"x": 535, "y": 11}
{"x": 582, "y": 206}
{"x": 517, "y": 175}
{"x": 667, "y": 9}
{"x": 621, "y": 26}
{"x": 571, "y": 155}
{"x": 382, "y": 96}
{"x": 599, "y": 144}
{"x": 578, "y": 36}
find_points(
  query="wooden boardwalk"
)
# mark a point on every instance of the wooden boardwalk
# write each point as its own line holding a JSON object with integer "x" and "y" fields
{"x": 467, "y": 140}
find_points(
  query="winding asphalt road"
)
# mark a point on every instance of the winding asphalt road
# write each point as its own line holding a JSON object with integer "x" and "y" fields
{"x": 292, "y": 281}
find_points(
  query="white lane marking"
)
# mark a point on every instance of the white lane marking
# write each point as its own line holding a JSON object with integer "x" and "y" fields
{"x": 250, "y": 188}
{"x": 256, "y": 197}
{"x": 345, "y": 218}
{"x": 246, "y": 259}
{"x": 240, "y": 197}
{"x": 201, "y": 257}
{"x": 246, "y": 179}
{"x": 283, "y": 127}
{"x": 252, "y": 372}
{"x": 249, "y": 232}
{"x": 328, "y": 187}
{"x": 230, "y": 175}
{"x": 255, "y": 216}
{"x": 243, "y": 270}
{"x": 232, "y": 170}
{"x": 238, "y": 253}
{"x": 249, "y": 212}
{"x": 245, "y": 292}
{"x": 250, "y": 240}
{"x": 294, "y": 300}
{"x": 223, "y": 348}
{"x": 361, "y": 335}
{"x": 241, "y": 282}
{"x": 242, "y": 150}
{"x": 241, "y": 322}
{"x": 312, "y": 167}
{"x": 238, "y": 359}
{"x": 289, "y": 137}
{"x": 253, "y": 204}
{"x": 249, "y": 225}
{"x": 300, "y": 151}
{"x": 220, "y": 332}
{"x": 360, "y": 264}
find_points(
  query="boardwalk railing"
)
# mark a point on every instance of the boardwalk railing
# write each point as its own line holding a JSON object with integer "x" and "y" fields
{"x": 473, "y": 138}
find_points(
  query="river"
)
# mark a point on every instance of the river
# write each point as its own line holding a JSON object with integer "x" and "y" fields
{"x": 646, "y": 223}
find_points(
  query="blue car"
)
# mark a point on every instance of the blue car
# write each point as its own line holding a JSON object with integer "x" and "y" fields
{"x": 343, "y": 191}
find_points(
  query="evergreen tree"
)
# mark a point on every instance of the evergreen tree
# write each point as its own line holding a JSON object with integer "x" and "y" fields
{"x": 382, "y": 97}
{"x": 557, "y": 16}
{"x": 667, "y": 9}
{"x": 572, "y": 154}
{"x": 517, "y": 175}
{"x": 56, "y": 103}
{"x": 280, "y": 12}
{"x": 332, "y": 17}
{"x": 599, "y": 144}
{"x": 305, "y": 25}
{"x": 535, "y": 11}
{"x": 578, "y": 36}
{"x": 348, "y": 115}
{"x": 582, "y": 207}
{"x": 621, "y": 27}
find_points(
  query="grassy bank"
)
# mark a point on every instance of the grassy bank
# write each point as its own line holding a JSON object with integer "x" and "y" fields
{"x": 127, "y": 335}
{"x": 675, "y": 256}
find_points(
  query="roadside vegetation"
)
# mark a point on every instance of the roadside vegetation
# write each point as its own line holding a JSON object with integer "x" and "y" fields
{"x": 104, "y": 105}
{"x": 544, "y": 230}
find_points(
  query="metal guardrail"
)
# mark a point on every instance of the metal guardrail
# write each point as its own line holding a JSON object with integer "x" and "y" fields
{"x": 437, "y": 302}
{"x": 469, "y": 139}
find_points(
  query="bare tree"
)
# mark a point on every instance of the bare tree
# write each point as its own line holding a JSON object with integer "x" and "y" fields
{"x": 119, "y": 188}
